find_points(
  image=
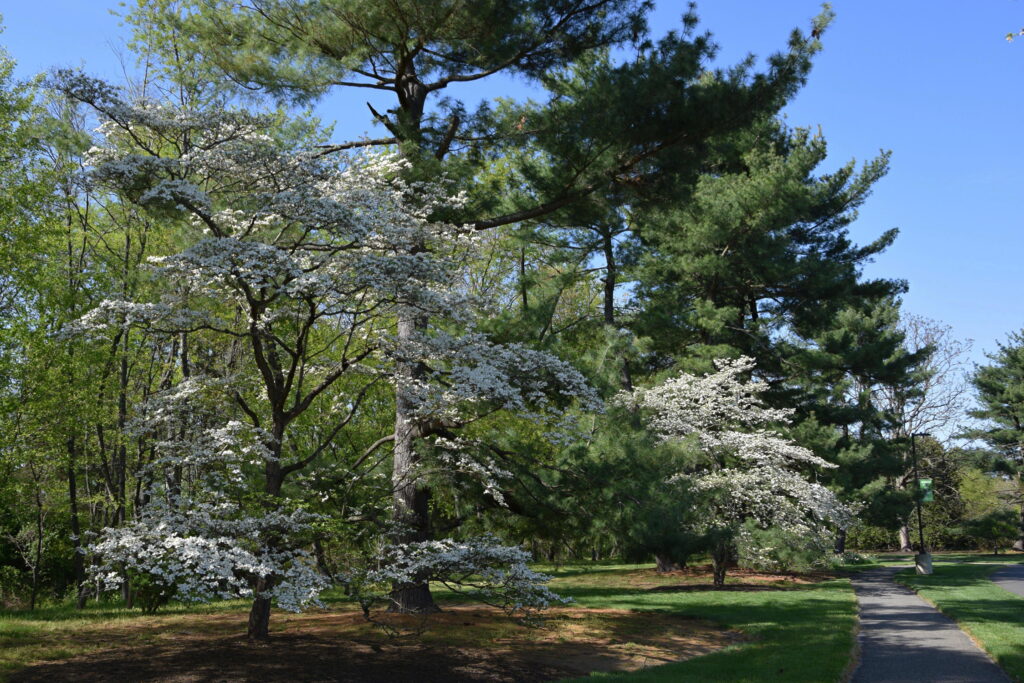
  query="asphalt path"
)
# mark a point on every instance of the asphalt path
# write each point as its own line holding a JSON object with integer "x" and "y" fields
{"x": 1011, "y": 578}
{"x": 904, "y": 639}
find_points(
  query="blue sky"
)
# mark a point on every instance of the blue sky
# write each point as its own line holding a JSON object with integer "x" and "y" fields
{"x": 934, "y": 81}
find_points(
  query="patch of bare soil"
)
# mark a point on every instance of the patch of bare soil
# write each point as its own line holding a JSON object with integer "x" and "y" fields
{"x": 741, "y": 587}
{"x": 461, "y": 644}
{"x": 698, "y": 578}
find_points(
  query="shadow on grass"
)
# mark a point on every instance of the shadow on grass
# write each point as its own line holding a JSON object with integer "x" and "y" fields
{"x": 114, "y": 610}
{"x": 804, "y": 634}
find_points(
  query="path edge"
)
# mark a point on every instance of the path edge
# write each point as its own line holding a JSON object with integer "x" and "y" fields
{"x": 966, "y": 631}
{"x": 853, "y": 659}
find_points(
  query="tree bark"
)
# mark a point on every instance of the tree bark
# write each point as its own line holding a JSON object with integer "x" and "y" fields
{"x": 841, "y": 542}
{"x": 39, "y": 548}
{"x": 1019, "y": 544}
{"x": 77, "y": 560}
{"x": 411, "y": 500}
{"x": 611, "y": 275}
{"x": 905, "y": 545}
{"x": 259, "y": 614}
{"x": 720, "y": 557}
{"x": 322, "y": 565}
{"x": 663, "y": 563}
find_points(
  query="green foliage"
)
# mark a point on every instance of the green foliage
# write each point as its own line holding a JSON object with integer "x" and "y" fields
{"x": 759, "y": 247}
{"x": 1000, "y": 393}
{"x": 780, "y": 550}
{"x": 12, "y": 587}
{"x": 995, "y": 530}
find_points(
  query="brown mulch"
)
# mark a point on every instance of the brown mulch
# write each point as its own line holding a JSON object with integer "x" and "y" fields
{"x": 694, "y": 579}
{"x": 741, "y": 587}
{"x": 335, "y": 646}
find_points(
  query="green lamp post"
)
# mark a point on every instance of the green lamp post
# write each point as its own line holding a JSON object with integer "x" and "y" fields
{"x": 923, "y": 559}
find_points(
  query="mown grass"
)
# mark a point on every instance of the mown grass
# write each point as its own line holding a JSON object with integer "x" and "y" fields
{"x": 800, "y": 632}
{"x": 991, "y": 615}
{"x": 803, "y": 633}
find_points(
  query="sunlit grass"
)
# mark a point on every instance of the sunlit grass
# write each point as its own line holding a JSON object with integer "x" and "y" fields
{"x": 802, "y": 634}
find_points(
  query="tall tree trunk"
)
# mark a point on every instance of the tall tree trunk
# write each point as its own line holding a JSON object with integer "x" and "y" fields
{"x": 259, "y": 614}
{"x": 322, "y": 565}
{"x": 663, "y": 563}
{"x": 39, "y": 548}
{"x": 841, "y": 542}
{"x": 905, "y": 545}
{"x": 410, "y": 499}
{"x": 77, "y": 560}
{"x": 174, "y": 476}
{"x": 121, "y": 458}
{"x": 1019, "y": 544}
{"x": 611, "y": 274}
{"x": 720, "y": 557}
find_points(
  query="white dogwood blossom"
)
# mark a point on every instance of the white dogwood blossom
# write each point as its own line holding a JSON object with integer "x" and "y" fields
{"x": 750, "y": 470}
{"x": 197, "y": 552}
{"x": 496, "y": 574}
{"x": 300, "y": 263}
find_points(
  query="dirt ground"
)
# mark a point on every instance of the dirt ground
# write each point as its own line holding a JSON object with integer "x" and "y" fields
{"x": 461, "y": 644}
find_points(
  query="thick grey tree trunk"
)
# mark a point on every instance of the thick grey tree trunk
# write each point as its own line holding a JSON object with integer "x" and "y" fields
{"x": 410, "y": 499}
{"x": 665, "y": 564}
{"x": 259, "y": 614}
{"x": 841, "y": 542}
{"x": 720, "y": 556}
{"x": 905, "y": 545}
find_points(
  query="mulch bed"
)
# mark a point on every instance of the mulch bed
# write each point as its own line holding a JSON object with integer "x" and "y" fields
{"x": 328, "y": 647}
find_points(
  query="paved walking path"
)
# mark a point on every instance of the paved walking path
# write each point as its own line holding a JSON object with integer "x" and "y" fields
{"x": 1011, "y": 578}
{"x": 904, "y": 639}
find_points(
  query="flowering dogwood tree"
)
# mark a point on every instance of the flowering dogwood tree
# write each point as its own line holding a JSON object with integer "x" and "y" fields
{"x": 295, "y": 269}
{"x": 749, "y": 471}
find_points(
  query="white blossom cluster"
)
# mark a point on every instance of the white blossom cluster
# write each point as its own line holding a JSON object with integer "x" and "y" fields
{"x": 164, "y": 316}
{"x": 193, "y": 541}
{"x": 462, "y": 455}
{"x": 201, "y": 552}
{"x": 497, "y": 574}
{"x": 470, "y": 369}
{"x": 752, "y": 471}
{"x": 281, "y": 242}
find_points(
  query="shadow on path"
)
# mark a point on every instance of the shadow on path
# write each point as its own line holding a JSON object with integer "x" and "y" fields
{"x": 903, "y": 638}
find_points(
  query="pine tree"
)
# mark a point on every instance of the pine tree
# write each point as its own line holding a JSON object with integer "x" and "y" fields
{"x": 605, "y": 126}
{"x": 999, "y": 388}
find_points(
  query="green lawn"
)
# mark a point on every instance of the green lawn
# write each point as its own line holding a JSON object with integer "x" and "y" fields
{"x": 992, "y": 616}
{"x": 803, "y": 633}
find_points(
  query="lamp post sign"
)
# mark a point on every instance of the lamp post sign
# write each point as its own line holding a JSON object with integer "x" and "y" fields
{"x": 927, "y": 493}
{"x": 923, "y": 559}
